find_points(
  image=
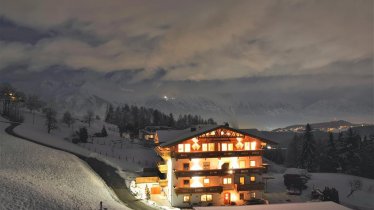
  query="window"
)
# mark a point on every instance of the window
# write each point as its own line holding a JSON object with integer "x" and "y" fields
{"x": 187, "y": 148}
{"x": 242, "y": 164}
{"x": 206, "y": 165}
{"x": 205, "y": 147}
{"x": 211, "y": 146}
{"x": 227, "y": 181}
{"x": 224, "y": 147}
{"x": 253, "y": 163}
{"x": 186, "y": 199}
{"x": 205, "y": 198}
{"x": 253, "y": 178}
{"x": 246, "y": 145}
{"x": 206, "y": 181}
{"x": 186, "y": 182}
{"x": 253, "y": 194}
{"x": 241, "y": 196}
{"x": 186, "y": 166}
{"x": 230, "y": 147}
{"x": 242, "y": 180}
{"x": 180, "y": 148}
{"x": 253, "y": 145}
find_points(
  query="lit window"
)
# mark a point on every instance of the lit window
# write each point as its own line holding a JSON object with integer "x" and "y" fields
{"x": 253, "y": 145}
{"x": 253, "y": 194}
{"x": 186, "y": 182}
{"x": 253, "y": 178}
{"x": 205, "y": 198}
{"x": 186, "y": 198}
{"x": 206, "y": 165}
{"x": 186, "y": 166}
{"x": 230, "y": 147}
{"x": 206, "y": 181}
{"x": 242, "y": 180}
{"x": 242, "y": 164}
{"x": 227, "y": 181}
{"x": 253, "y": 163}
{"x": 180, "y": 148}
{"x": 187, "y": 148}
{"x": 224, "y": 147}
{"x": 205, "y": 147}
{"x": 211, "y": 146}
{"x": 246, "y": 145}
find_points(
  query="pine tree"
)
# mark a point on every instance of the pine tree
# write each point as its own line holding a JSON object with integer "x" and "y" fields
{"x": 293, "y": 152}
{"x": 349, "y": 152}
{"x": 89, "y": 117}
{"x": 329, "y": 161}
{"x": 50, "y": 119}
{"x": 308, "y": 152}
{"x": 68, "y": 119}
{"x": 104, "y": 133}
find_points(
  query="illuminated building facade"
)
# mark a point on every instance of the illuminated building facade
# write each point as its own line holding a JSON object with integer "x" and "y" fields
{"x": 211, "y": 165}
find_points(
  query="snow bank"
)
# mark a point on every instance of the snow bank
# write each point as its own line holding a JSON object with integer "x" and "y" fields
{"x": 36, "y": 177}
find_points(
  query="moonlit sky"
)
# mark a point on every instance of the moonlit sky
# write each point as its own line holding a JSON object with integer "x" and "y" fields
{"x": 198, "y": 40}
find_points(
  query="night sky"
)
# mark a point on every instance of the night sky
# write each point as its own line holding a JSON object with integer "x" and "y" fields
{"x": 302, "y": 60}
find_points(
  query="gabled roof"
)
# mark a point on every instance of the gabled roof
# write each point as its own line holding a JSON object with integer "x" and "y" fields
{"x": 172, "y": 137}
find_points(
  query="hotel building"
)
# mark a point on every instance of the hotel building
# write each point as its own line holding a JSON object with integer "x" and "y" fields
{"x": 210, "y": 165}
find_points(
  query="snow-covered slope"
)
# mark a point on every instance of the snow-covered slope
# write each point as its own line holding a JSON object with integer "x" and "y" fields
{"x": 36, "y": 177}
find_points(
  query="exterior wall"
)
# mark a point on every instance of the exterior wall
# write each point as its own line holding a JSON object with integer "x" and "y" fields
{"x": 197, "y": 164}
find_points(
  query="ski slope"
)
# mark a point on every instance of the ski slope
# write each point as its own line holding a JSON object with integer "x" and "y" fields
{"x": 37, "y": 177}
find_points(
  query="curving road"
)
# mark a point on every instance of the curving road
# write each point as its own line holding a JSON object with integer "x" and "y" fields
{"x": 105, "y": 171}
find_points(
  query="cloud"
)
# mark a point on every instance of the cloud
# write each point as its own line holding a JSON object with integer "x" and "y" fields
{"x": 223, "y": 39}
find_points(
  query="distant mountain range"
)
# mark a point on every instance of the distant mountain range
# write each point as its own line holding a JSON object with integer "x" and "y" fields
{"x": 263, "y": 102}
{"x": 333, "y": 126}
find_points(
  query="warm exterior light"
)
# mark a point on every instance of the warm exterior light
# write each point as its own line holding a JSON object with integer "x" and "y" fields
{"x": 239, "y": 145}
{"x": 195, "y": 145}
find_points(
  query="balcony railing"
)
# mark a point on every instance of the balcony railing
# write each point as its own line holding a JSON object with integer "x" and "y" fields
{"x": 163, "y": 153}
{"x": 185, "y": 190}
{"x": 189, "y": 155}
{"x": 219, "y": 172}
{"x": 252, "y": 186}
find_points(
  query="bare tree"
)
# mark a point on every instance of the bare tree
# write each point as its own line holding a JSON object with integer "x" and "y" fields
{"x": 50, "y": 119}
{"x": 68, "y": 119}
{"x": 355, "y": 184}
{"x": 33, "y": 103}
{"x": 89, "y": 117}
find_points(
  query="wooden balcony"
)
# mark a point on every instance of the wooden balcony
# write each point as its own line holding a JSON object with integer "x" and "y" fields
{"x": 162, "y": 167}
{"x": 241, "y": 153}
{"x": 163, "y": 152}
{"x": 188, "y": 190}
{"x": 219, "y": 172}
{"x": 253, "y": 186}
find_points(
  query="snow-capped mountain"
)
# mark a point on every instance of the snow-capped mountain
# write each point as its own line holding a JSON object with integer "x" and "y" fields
{"x": 245, "y": 102}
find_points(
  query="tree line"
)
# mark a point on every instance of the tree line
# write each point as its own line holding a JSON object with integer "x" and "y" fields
{"x": 347, "y": 153}
{"x": 132, "y": 118}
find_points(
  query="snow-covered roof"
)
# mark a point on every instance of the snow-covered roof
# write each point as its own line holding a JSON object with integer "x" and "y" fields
{"x": 327, "y": 205}
{"x": 171, "y": 137}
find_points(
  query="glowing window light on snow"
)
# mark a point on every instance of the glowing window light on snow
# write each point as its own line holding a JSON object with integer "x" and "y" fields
{"x": 195, "y": 145}
{"x": 196, "y": 182}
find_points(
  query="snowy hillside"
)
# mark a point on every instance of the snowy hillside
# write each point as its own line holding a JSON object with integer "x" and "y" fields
{"x": 36, "y": 177}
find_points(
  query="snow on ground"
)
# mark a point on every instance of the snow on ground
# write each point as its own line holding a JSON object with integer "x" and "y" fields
{"x": 119, "y": 152}
{"x": 36, "y": 177}
{"x": 363, "y": 199}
